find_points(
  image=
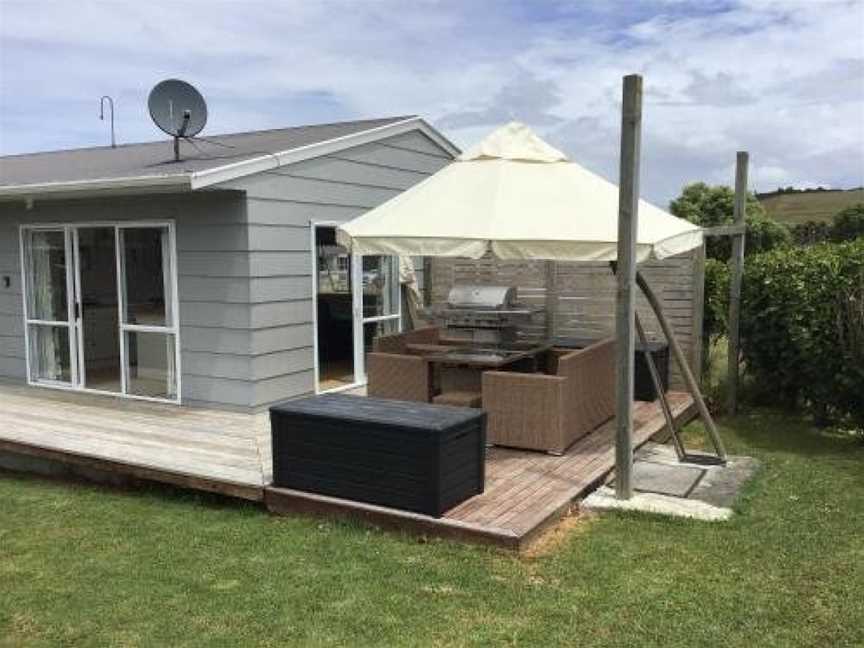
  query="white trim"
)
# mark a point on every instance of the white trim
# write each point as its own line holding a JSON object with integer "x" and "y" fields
{"x": 381, "y": 318}
{"x": 357, "y": 325}
{"x": 208, "y": 177}
{"x": 24, "y": 304}
{"x": 99, "y": 185}
{"x": 79, "y": 371}
{"x": 120, "y": 280}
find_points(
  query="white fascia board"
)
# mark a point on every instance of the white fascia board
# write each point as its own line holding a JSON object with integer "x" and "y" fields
{"x": 141, "y": 184}
{"x": 201, "y": 179}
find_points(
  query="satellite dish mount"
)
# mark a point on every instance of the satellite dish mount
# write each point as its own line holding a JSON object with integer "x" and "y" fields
{"x": 178, "y": 109}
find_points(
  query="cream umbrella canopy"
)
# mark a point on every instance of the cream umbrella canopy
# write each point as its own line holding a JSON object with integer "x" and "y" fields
{"x": 517, "y": 197}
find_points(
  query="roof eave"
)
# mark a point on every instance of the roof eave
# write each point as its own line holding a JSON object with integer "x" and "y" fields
{"x": 98, "y": 187}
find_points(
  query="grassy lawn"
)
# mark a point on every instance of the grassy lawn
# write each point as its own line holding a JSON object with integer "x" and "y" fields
{"x": 89, "y": 566}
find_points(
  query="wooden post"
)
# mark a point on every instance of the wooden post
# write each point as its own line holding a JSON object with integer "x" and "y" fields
{"x": 628, "y": 220}
{"x": 551, "y": 294}
{"x": 736, "y": 273}
{"x": 427, "y": 281}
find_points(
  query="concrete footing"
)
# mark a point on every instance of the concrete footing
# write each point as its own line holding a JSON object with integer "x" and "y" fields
{"x": 667, "y": 486}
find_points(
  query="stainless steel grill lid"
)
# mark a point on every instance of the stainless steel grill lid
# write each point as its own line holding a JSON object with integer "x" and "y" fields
{"x": 482, "y": 297}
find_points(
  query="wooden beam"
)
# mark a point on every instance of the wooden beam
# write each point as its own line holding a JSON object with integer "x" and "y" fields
{"x": 736, "y": 272}
{"x": 628, "y": 220}
{"x": 681, "y": 360}
{"x": 724, "y": 230}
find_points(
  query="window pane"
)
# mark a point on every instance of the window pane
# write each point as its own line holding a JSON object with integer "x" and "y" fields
{"x": 380, "y": 285}
{"x": 46, "y": 289}
{"x": 99, "y": 316}
{"x": 147, "y": 275}
{"x": 151, "y": 364}
{"x": 49, "y": 353}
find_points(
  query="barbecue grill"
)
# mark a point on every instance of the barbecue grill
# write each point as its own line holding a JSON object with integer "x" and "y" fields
{"x": 485, "y": 314}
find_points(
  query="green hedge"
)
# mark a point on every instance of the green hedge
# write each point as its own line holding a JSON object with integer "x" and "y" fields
{"x": 802, "y": 327}
{"x": 715, "y": 322}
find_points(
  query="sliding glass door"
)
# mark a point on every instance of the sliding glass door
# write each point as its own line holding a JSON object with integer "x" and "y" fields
{"x": 101, "y": 308}
{"x": 48, "y": 307}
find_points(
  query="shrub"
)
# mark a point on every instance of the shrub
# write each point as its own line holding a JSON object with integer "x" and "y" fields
{"x": 811, "y": 232}
{"x": 848, "y": 223}
{"x": 713, "y": 206}
{"x": 802, "y": 327}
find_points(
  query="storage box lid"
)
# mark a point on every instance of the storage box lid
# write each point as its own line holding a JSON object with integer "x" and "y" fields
{"x": 406, "y": 414}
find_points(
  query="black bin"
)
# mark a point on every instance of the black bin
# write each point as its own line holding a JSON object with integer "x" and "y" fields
{"x": 411, "y": 456}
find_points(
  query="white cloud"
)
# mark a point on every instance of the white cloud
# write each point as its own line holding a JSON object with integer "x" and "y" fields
{"x": 784, "y": 80}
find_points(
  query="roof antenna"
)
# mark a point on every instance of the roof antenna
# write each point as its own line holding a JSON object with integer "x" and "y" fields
{"x": 102, "y": 116}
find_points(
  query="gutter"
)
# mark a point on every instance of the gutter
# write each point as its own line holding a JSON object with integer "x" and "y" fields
{"x": 82, "y": 188}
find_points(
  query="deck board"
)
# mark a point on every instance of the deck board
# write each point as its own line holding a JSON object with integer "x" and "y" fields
{"x": 230, "y": 453}
{"x": 221, "y": 451}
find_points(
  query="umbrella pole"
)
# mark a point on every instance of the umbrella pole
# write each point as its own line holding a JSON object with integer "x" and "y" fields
{"x": 689, "y": 378}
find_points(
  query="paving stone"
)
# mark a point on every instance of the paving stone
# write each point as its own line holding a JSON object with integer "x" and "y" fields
{"x": 666, "y": 479}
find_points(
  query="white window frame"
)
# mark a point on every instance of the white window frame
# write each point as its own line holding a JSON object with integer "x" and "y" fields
{"x": 75, "y": 325}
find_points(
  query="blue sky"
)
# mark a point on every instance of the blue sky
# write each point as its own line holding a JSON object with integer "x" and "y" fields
{"x": 784, "y": 80}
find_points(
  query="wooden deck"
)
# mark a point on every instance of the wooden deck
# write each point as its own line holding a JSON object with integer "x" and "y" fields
{"x": 229, "y": 453}
{"x": 525, "y": 491}
{"x": 210, "y": 450}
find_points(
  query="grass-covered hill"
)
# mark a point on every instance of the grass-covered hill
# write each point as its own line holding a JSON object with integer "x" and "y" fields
{"x": 793, "y": 207}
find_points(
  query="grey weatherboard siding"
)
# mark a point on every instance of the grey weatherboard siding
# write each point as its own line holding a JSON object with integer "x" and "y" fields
{"x": 281, "y": 205}
{"x": 244, "y": 263}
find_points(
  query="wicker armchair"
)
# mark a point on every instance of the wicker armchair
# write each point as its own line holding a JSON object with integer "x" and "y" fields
{"x": 400, "y": 377}
{"x": 550, "y": 412}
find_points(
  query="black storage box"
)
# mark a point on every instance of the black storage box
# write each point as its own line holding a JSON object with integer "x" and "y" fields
{"x": 643, "y": 386}
{"x": 411, "y": 456}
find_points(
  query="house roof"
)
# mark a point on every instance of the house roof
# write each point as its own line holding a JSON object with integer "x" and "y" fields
{"x": 150, "y": 166}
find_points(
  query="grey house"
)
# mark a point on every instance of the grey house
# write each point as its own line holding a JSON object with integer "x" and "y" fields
{"x": 215, "y": 280}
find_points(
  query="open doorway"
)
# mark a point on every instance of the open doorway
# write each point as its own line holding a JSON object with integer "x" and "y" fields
{"x": 334, "y": 309}
{"x": 356, "y": 300}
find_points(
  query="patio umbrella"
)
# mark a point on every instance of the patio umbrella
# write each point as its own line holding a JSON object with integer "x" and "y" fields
{"x": 517, "y": 197}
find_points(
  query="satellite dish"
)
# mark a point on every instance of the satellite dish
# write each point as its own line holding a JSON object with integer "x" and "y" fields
{"x": 177, "y": 108}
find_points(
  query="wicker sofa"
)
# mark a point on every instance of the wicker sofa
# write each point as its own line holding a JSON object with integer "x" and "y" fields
{"x": 550, "y": 411}
{"x": 395, "y": 372}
